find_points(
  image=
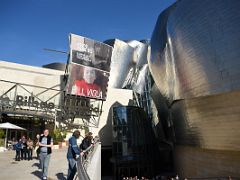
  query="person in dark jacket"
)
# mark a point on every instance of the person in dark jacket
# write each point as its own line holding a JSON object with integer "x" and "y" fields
{"x": 17, "y": 147}
{"x": 45, "y": 144}
{"x": 73, "y": 152}
{"x": 86, "y": 142}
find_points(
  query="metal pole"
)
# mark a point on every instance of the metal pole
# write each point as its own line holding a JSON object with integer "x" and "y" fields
{"x": 57, "y": 51}
{"x": 55, "y": 119}
{"x": 6, "y": 138}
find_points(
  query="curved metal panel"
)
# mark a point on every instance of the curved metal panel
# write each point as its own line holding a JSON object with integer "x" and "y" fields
{"x": 211, "y": 122}
{"x": 127, "y": 60}
{"x": 195, "y": 64}
{"x": 195, "y": 49}
{"x": 207, "y": 135}
{"x": 139, "y": 85}
{"x": 197, "y": 163}
{"x": 140, "y": 52}
{"x": 162, "y": 125}
{"x": 121, "y": 63}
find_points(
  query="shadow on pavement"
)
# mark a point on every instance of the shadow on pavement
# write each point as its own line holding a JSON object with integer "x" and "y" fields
{"x": 37, "y": 173}
{"x": 60, "y": 176}
{"x": 36, "y": 165}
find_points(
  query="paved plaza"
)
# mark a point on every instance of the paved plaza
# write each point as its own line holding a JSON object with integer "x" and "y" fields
{"x": 29, "y": 170}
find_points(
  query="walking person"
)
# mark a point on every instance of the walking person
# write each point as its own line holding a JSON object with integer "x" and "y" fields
{"x": 73, "y": 152}
{"x": 45, "y": 144}
{"x": 29, "y": 148}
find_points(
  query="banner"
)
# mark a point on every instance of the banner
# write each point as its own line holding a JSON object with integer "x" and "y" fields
{"x": 89, "y": 67}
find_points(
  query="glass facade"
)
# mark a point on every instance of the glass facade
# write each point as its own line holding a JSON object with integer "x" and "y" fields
{"x": 134, "y": 145}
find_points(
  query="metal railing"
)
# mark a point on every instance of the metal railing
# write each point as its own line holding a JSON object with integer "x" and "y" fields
{"x": 213, "y": 178}
{"x": 84, "y": 161}
{"x": 159, "y": 177}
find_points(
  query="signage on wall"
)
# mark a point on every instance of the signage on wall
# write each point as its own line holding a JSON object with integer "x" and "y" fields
{"x": 32, "y": 102}
{"x": 26, "y": 101}
{"x": 89, "y": 67}
{"x": 78, "y": 106}
{"x": 82, "y": 106}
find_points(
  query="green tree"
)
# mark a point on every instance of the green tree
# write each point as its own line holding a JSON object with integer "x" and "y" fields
{"x": 2, "y": 134}
{"x": 58, "y": 136}
{"x": 86, "y": 129}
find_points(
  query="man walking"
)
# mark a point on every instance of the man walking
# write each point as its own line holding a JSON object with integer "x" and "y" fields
{"x": 73, "y": 151}
{"x": 45, "y": 145}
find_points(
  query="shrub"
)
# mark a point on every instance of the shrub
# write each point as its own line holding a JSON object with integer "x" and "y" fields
{"x": 2, "y": 142}
{"x": 58, "y": 136}
{"x": 2, "y": 134}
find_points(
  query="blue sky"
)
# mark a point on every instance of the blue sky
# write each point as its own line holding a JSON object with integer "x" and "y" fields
{"x": 29, "y": 26}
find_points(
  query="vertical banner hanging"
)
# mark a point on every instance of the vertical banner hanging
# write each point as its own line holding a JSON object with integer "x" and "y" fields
{"x": 89, "y": 67}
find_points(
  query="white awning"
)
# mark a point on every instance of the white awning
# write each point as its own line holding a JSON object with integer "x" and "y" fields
{"x": 8, "y": 125}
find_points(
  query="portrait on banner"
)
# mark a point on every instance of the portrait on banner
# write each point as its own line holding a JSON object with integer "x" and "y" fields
{"x": 87, "y": 81}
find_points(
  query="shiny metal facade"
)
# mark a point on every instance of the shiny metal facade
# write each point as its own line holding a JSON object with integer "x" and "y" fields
{"x": 195, "y": 63}
{"x": 195, "y": 49}
{"x": 210, "y": 122}
{"x": 195, "y": 57}
{"x": 129, "y": 59}
{"x": 140, "y": 52}
{"x": 141, "y": 80}
{"x": 121, "y": 63}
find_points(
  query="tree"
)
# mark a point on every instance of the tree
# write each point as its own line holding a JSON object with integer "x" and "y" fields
{"x": 2, "y": 134}
{"x": 58, "y": 136}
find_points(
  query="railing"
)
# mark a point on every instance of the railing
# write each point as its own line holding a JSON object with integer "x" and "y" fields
{"x": 213, "y": 178}
{"x": 84, "y": 161}
{"x": 176, "y": 177}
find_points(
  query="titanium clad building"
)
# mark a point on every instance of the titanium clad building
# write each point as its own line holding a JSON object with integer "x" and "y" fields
{"x": 195, "y": 63}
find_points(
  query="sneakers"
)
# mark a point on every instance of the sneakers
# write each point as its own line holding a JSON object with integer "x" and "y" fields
{"x": 44, "y": 178}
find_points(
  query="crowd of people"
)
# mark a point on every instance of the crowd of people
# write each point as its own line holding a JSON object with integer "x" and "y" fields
{"x": 43, "y": 144}
{"x": 23, "y": 148}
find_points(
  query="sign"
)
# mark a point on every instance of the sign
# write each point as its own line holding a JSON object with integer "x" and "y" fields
{"x": 27, "y": 101}
{"x": 31, "y": 102}
{"x": 89, "y": 67}
{"x": 81, "y": 107}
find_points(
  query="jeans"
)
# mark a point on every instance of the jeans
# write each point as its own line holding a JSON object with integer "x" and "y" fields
{"x": 30, "y": 154}
{"x": 71, "y": 168}
{"x": 17, "y": 157}
{"x": 24, "y": 154}
{"x": 44, "y": 162}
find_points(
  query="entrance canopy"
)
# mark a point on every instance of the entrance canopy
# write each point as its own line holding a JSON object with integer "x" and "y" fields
{"x": 7, "y": 126}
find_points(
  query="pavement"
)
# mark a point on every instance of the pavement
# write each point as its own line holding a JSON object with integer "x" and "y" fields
{"x": 29, "y": 170}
